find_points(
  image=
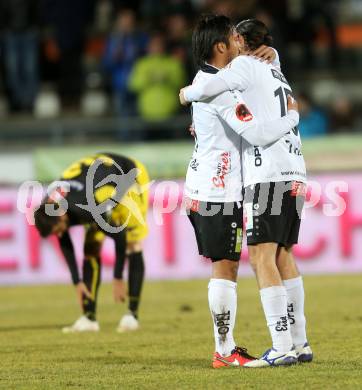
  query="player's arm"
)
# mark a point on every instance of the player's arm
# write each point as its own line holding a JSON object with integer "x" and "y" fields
{"x": 255, "y": 132}
{"x": 67, "y": 248}
{"x": 237, "y": 76}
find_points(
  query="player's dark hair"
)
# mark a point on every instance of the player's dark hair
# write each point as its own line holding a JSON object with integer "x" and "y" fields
{"x": 210, "y": 30}
{"x": 255, "y": 33}
{"x": 44, "y": 222}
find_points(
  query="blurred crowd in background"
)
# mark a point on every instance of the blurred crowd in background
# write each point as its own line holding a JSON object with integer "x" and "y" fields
{"x": 100, "y": 58}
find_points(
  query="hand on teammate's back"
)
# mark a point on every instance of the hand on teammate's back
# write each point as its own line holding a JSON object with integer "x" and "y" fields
{"x": 264, "y": 53}
{"x": 181, "y": 95}
{"x": 292, "y": 104}
{"x": 119, "y": 290}
{"x": 192, "y": 130}
{"x": 81, "y": 289}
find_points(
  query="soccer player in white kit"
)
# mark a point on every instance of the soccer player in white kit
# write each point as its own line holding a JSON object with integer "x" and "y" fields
{"x": 214, "y": 181}
{"x": 274, "y": 178}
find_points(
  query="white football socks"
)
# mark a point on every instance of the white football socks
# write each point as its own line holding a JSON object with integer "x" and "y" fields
{"x": 274, "y": 301}
{"x": 295, "y": 295}
{"x": 222, "y": 303}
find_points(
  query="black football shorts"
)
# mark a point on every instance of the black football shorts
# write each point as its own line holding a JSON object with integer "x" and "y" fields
{"x": 273, "y": 212}
{"x": 218, "y": 228}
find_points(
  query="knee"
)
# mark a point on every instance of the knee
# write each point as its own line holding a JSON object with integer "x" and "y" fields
{"x": 252, "y": 264}
{"x": 257, "y": 258}
{"x": 225, "y": 269}
{"x": 136, "y": 263}
{"x": 134, "y": 247}
{"x": 262, "y": 254}
{"x": 254, "y": 256}
{"x": 234, "y": 270}
{"x": 92, "y": 249}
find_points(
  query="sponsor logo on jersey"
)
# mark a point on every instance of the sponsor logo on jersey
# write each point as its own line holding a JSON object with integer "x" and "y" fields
{"x": 223, "y": 168}
{"x": 194, "y": 164}
{"x": 242, "y": 113}
{"x": 279, "y": 76}
{"x": 192, "y": 191}
{"x": 257, "y": 157}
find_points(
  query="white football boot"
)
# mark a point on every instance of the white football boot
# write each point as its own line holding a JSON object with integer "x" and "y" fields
{"x": 83, "y": 324}
{"x": 304, "y": 353}
{"x": 273, "y": 358}
{"x": 128, "y": 323}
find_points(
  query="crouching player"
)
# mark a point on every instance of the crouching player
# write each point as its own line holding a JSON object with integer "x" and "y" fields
{"x": 108, "y": 195}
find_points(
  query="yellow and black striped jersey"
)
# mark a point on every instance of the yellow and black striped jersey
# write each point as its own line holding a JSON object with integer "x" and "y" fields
{"x": 95, "y": 179}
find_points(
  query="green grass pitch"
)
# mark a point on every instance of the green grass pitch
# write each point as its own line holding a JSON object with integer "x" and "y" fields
{"x": 173, "y": 349}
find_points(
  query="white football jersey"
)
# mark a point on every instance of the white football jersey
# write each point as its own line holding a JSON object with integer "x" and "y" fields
{"x": 265, "y": 91}
{"x": 214, "y": 172}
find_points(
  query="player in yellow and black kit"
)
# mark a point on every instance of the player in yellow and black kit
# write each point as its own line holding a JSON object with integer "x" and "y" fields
{"x": 108, "y": 195}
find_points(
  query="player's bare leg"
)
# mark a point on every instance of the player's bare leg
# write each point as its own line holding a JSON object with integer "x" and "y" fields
{"x": 274, "y": 301}
{"x": 286, "y": 264}
{"x": 136, "y": 270}
{"x": 262, "y": 260}
{"x": 293, "y": 283}
{"x": 225, "y": 269}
